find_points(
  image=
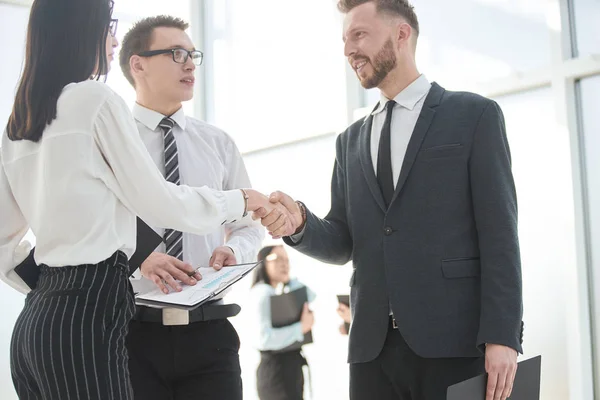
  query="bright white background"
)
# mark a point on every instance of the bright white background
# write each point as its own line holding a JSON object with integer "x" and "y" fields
{"x": 280, "y": 87}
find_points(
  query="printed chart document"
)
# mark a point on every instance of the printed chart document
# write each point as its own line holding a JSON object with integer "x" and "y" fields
{"x": 212, "y": 284}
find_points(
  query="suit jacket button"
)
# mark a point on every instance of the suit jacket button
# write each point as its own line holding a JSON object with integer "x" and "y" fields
{"x": 387, "y": 231}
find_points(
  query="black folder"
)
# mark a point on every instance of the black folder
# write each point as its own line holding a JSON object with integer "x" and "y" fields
{"x": 286, "y": 309}
{"x": 147, "y": 241}
{"x": 526, "y": 385}
{"x": 344, "y": 299}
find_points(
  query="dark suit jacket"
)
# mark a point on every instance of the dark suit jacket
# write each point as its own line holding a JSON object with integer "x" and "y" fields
{"x": 445, "y": 254}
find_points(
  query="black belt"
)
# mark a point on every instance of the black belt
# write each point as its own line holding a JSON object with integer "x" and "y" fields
{"x": 207, "y": 312}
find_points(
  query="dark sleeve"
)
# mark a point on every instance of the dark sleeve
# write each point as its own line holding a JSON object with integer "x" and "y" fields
{"x": 495, "y": 210}
{"x": 328, "y": 240}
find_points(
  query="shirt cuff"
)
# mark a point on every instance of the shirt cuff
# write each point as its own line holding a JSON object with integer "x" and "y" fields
{"x": 236, "y": 205}
{"x": 298, "y": 236}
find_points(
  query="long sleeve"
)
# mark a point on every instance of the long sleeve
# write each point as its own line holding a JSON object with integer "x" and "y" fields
{"x": 270, "y": 338}
{"x": 13, "y": 250}
{"x": 135, "y": 179}
{"x": 328, "y": 239}
{"x": 245, "y": 236}
{"x": 495, "y": 209}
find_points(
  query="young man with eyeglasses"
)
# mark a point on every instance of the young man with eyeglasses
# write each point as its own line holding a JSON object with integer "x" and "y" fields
{"x": 178, "y": 354}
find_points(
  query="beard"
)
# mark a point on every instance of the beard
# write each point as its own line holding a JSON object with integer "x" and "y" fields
{"x": 384, "y": 61}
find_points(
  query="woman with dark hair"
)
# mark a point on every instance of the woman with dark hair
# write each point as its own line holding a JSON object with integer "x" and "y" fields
{"x": 74, "y": 170}
{"x": 279, "y": 375}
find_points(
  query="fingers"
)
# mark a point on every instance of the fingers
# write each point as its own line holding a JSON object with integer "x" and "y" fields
{"x": 180, "y": 270}
{"x": 217, "y": 260}
{"x": 273, "y": 219}
{"x": 259, "y": 213}
{"x": 158, "y": 282}
{"x": 284, "y": 199}
{"x": 491, "y": 386}
{"x": 510, "y": 380}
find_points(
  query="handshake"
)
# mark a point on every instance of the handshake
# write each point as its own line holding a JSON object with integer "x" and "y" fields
{"x": 279, "y": 213}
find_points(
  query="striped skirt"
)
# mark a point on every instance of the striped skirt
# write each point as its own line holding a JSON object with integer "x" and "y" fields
{"x": 69, "y": 340}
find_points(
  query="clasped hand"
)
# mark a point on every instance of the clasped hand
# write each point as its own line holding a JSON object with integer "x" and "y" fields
{"x": 279, "y": 213}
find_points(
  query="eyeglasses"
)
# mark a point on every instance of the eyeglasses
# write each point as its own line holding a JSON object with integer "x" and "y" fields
{"x": 112, "y": 28}
{"x": 180, "y": 56}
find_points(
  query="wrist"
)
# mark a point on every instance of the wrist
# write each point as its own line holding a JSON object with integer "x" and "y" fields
{"x": 246, "y": 197}
{"x": 302, "y": 208}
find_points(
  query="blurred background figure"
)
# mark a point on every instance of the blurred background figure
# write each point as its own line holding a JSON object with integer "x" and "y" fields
{"x": 344, "y": 311}
{"x": 279, "y": 375}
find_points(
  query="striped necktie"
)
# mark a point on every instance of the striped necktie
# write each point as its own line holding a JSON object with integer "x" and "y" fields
{"x": 173, "y": 238}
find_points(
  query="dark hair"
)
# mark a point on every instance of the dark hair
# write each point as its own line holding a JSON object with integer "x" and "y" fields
{"x": 139, "y": 36}
{"x": 66, "y": 42}
{"x": 260, "y": 274}
{"x": 401, "y": 8}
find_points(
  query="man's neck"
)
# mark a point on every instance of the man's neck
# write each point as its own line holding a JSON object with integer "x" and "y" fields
{"x": 398, "y": 80}
{"x": 163, "y": 108}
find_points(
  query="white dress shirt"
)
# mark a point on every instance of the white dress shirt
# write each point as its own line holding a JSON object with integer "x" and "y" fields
{"x": 409, "y": 104}
{"x": 208, "y": 157}
{"x": 80, "y": 187}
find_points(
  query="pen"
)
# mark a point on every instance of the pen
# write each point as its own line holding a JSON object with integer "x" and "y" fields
{"x": 190, "y": 274}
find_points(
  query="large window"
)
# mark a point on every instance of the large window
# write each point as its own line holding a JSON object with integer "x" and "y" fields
{"x": 465, "y": 43}
{"x": 587, "y": 27}
{"x": 273, "y": 78}
{"x": 589, "y": 98}
{"x": 541, "y": 163}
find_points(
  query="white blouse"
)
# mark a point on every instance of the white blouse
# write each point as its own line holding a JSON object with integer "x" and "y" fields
{"x": 81, "y": 186}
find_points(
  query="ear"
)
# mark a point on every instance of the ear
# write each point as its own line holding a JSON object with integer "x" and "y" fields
{"x": 404, "y": 34}
{"x": 136, "y": 65}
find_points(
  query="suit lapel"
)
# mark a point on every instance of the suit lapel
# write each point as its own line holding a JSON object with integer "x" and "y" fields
{"x": 416, "y": 140}
{"x": 366, "y": 161}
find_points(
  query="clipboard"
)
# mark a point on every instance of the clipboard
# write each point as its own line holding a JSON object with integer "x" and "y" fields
{"x": 525, "y": 387}
{"x": 147, "y": 240}
{"x": 286, "y": 309}
{"x": 192, "y": 297}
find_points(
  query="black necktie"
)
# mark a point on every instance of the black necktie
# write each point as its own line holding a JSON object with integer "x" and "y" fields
{"x": 173, "y": 239}
{"x": 384, "y": 157}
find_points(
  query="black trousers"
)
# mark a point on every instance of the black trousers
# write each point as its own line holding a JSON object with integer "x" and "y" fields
{"x": 69, "y": 340}
{"x": 400, "y": 374}
{"x": 279, "y": 376}
{"x": 185, "y": 362}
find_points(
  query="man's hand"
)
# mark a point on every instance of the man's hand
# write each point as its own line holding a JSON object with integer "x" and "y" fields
{"x": 221, "y": 257}
{"x": 344, "y": 312}
{"x": 284, "y": 219}
{"x": 163, "y": 270}
{"x": 501, "y": 366}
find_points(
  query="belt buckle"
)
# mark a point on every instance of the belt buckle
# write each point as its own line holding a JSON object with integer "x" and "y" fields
{"x": 175, "y": 316}
{"x": 394, "y": 324}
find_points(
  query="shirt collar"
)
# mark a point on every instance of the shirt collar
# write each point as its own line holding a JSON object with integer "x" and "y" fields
{"x": 151, "y": 118}
{"x": 409, "y": 97}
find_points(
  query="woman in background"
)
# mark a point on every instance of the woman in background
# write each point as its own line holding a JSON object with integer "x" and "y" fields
{"x": 279, "y": 375}
{"x": 74, "y": 170}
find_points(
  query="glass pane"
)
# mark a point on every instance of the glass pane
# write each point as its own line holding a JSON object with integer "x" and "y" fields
{"x": 327, "y": 356}
{"x": 587, "y": 26}
{"x": 541, "y": 164}
{"x": 466, "y": 42}
{"x": 590, "y": 97}
{"x": 276, "y": 79}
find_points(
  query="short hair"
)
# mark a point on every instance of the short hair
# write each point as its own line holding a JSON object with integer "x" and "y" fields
{"x": 401, "y": 8}
{"x": 138, "y": 39}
